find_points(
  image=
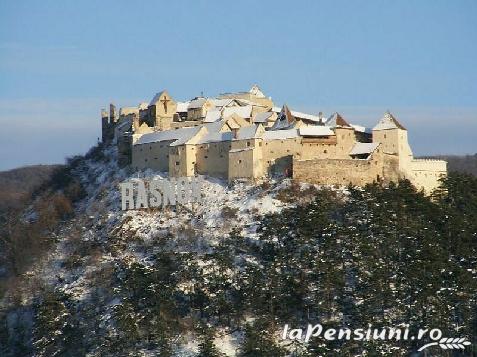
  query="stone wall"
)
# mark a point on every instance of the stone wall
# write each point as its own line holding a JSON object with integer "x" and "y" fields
{"x": 182, "y": 160}
{"x": 152, "y": 155}
{"x": 213, "y": 158}
{"x": 185, "y": 124}
{"x": 277, "y": 155}
{"x": 379, "y": 167}
{"x": 425, "y": 174}
{"x": 241, "y": 164}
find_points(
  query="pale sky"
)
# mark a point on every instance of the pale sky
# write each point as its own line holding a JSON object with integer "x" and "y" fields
{"x": 62, "y": 61}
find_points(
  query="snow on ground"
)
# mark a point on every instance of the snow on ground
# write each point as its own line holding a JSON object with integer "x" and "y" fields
{"x": 99, "y": 219}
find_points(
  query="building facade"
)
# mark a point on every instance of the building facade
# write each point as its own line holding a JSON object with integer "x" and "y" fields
{"x": 243, "y": 136}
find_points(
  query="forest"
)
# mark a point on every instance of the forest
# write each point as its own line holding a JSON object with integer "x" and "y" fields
{"x": 385, "y": 256}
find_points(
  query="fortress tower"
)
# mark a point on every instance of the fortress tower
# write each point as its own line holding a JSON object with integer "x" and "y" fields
{"x": 108, "y": 122}
{"x": 104, "y": 124}
{"x": 393, "y": 138}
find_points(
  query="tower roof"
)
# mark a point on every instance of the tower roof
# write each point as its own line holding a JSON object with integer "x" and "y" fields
{"x": 256, "y": 91}
{"x": 285, "y": 119}
{"x": 336, "y": 120}
{"x": 388, "y": 121}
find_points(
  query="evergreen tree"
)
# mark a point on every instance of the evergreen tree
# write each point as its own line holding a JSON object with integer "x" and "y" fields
{"x": 56, "y": 329}
{"x": 206, "y": 345}
{"x": 258, "y": 341}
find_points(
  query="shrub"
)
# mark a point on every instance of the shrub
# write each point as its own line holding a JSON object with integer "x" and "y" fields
{"x": 229, "y": 212}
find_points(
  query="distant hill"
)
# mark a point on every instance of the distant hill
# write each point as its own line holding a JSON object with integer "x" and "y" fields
{"x": 17, "y": 184}
{"x": 460, "y": 163}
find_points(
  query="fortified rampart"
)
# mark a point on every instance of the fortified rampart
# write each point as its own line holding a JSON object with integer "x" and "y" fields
{"x": 243, "y": 136}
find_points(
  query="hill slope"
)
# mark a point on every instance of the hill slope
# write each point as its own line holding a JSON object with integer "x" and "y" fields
{"x": 16, "y": 185}
{"x": 225, "y": 276}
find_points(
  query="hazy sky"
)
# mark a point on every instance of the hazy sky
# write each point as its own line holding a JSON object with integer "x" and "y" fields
{"x": 61, "y": 61}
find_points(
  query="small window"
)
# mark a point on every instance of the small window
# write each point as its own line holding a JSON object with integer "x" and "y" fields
{"x": 325, "y": 151}
{"x": 177, "y": 163}
{"x": 240, "y": 161}
{"x": 206, "y": 157}
{"x": 260, "y": 144}
{"x": 248, "y": 143}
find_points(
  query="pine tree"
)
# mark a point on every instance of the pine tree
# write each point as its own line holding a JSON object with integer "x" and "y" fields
{"x": 56, "y": 328}
{"x": 206, "y": 345}
{"x": 258, "y": 341}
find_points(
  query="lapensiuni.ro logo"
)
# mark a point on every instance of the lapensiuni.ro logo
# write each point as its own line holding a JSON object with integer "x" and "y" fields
{"x": 432, "y": 336}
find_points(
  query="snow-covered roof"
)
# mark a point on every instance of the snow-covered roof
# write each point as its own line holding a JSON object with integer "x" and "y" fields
{"x": 182, "y": 107}
{"x": 244, "y": 112}
{"x": 285, "y": 119}
{"x": 388, "y": 122}
{"x": 305, "y": 116}
{"x": 196, "y": 103}
{"x": 280, "y": 134}
{"x": 361, "y": 129}
{"x": 214, "y": 127}
{"x": 262, "y": 117}
{"x": 299, "y": 115}
{"x": 247, "y": 132}
{"x": 255, "y": 90}
{"x": 167, "y": 135}
{"x": 212, "y": 116}
{"x": 213, "y": 137}
{"x": 363, "y": 148}
{"x": 221, "y": 102}
{"x": 336, "y": 120}
{"x": 249, "y": 102}
{"x": 316, "y": 130}
{"x": 157, "y": 97}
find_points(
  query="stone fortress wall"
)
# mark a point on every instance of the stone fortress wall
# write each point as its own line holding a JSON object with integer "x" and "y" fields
{"x": 243, "y": 136}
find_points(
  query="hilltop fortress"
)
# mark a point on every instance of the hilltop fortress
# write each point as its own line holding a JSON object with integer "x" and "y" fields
{"x": 244, "y": 136}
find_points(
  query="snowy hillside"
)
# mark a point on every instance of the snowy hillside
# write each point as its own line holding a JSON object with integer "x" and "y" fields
{"x": 222, "y": 277}
{"x": 127, "y": 237}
